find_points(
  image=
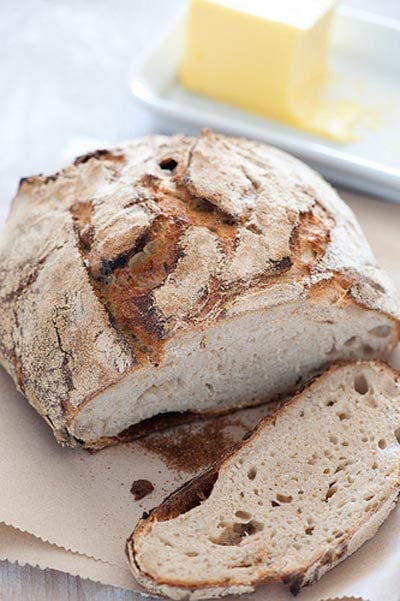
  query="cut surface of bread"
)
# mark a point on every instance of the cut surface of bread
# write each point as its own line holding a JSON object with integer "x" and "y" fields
{"x": 158, "y": 277}
{"x": 308, "y": 487}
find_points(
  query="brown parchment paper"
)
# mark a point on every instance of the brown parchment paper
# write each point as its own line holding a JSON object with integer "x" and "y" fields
{"x": 24, "y": 548}
{"x": 74, "y": 511}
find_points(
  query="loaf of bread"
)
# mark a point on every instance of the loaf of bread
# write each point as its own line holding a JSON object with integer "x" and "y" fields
{"x": 181, "y": 275}
{"x": 306, "y": 489}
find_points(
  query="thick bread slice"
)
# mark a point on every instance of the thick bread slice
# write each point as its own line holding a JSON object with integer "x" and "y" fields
{"x": 178, "y": 274}
{"x": 310, "y": 485}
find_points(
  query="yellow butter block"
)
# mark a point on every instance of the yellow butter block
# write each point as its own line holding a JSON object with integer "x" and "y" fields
{"x": 267, "y": 56}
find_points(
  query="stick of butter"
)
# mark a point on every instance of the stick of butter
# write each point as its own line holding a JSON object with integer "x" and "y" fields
{"x": 267, "y": 56}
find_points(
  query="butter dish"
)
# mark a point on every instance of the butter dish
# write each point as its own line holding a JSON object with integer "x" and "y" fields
{"x": 364, "y": 70}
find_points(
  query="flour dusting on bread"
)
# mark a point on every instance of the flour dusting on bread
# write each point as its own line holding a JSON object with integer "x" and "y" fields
{"x": 161, "y": 276}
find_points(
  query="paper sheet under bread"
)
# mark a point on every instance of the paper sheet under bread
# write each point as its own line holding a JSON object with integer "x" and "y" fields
{"x": 24, "y": 548}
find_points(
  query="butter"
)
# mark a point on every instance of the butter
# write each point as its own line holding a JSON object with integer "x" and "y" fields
{"x": 268, "y": 57}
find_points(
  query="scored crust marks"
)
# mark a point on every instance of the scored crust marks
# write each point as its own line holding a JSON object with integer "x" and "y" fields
{"x": 164, "y": 235}
{"x": 177, "y": 236}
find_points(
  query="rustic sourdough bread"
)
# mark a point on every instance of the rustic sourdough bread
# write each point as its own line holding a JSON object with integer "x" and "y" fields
{"x": 309, "y": 486}
{"x": 178, "y": 274}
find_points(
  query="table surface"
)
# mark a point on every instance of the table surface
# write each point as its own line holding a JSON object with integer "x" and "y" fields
{"x": 64, "y": 70}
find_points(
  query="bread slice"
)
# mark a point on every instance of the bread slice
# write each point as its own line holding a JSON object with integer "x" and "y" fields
{"x": 178, "y": 274}
{"x": 310, "y": 485}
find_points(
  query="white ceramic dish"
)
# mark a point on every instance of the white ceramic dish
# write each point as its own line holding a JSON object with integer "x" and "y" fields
{"x": 365, "y": 60}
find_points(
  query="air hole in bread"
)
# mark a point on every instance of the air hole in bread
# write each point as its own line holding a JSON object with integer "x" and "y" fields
{"x": 368, "y": 350}
{"x": 364, "y": 439}
{"x": 343, "y": 415}
{"x": 368, "y": 497}
{"x": 284, "y": 498}
{"x": 361, "y": 384}
{"x": 350, "y": 341}
{"x": 374, "y": 466}
{"x": 332, "y": 354}
{"x": 275, "y": 504}
{"x": 252, "y": 473}
{"x": 191, "y": 554}
{"x": 397, "y": 435}
{"x": 243, "y": 515}
{"x": 309, "y": 530}
{"x": 333, "y": 439}
{"x": 168, "y": 164}
{"x": 382, "y": 444}
{"x": 332, "y": 490}
{"x": 380, "y": 331}
{"x": 330, "y": 403}
{"x": 313, "y": 459}
{"x": 345, "y": 443}
{"x": 233, "y": 533}
{"x": 326, "y": 470}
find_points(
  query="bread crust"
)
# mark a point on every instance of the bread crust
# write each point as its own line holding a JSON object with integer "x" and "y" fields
{"x": 164, "y": 236}
{"x": 193, "y": 492}
{"x": 295, "y": 581}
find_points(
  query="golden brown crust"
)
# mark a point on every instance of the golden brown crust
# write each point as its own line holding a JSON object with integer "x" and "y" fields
{"x": 164, "y": 236}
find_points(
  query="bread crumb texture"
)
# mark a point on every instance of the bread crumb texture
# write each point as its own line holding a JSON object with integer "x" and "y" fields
{"x": 304, "y": 491}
